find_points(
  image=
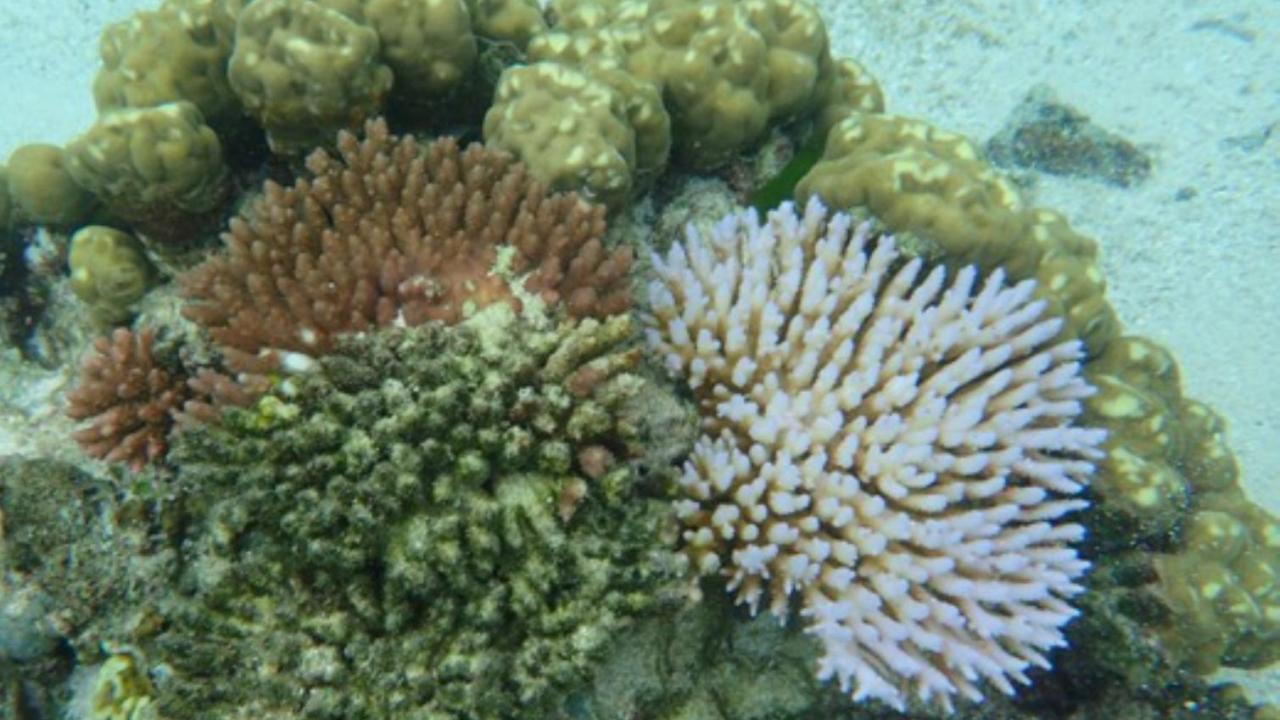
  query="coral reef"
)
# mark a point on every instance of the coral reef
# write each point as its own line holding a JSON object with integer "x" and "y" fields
{"x": 507, "y": 21}
{"x": 706, "y": 662}
{"x": 443, "y": 521}
{"x": 160, "y": 168}
{"x": 935, "y": 185}
{"x": 1165, "y": 463}
{"x": 628, "y": 82}
{"x": 129, "y": 396}
{"x": 109, "y": 272}
{"x": 428, "y": 46}
{"x": 892, "y": 452}
{"x": 409, "y": 460}
{"x": 393, "y": 232}
{"x": 304, "y": 72}
{"x": 41, "y": 189}
{"x": 177, "y": 52}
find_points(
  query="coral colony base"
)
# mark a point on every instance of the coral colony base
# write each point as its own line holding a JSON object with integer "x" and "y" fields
{"x": 408, "y": 443}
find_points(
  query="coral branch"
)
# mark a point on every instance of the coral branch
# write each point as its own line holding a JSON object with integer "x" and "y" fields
{"x": 129, "y": 397}
{"x": 391, "y": 232}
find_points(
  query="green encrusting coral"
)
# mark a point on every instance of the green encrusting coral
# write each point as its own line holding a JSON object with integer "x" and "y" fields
{"x": 439, "y": 522}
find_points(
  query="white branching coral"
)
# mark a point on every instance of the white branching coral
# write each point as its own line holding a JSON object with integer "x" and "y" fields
{"x": 895, "y": 453}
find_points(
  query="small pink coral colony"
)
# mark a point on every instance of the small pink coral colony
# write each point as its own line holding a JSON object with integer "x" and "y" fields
{"x": 130, "y": 398}
{"x": 894, "y": 453}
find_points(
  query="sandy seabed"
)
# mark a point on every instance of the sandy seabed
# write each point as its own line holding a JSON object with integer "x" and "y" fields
{"x": 1191, "y": 255}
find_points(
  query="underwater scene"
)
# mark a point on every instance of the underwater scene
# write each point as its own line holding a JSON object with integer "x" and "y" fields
{"x": 639, "y": 360}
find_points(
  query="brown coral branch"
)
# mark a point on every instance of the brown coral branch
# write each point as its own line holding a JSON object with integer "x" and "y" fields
{"x": 392, "y": 232}
{"x": 129, "y": 397}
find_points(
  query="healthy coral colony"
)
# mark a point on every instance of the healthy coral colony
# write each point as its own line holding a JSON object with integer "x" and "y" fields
{"x": 443, "y": 428}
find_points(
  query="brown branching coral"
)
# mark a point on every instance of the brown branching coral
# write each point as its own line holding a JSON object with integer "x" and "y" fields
{"x": 393, "y": 232}
{"x": 130, "y": 397}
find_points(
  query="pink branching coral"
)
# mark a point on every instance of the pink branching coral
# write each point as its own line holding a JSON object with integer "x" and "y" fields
{"x": 130, "y": 398}
{"x": 393, "y": 232}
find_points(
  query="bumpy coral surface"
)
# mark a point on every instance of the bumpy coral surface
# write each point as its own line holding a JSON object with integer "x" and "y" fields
{"x": 391, "y": 232}
{"x": 442, "y": 522}
{"x": 160, "y": 167}
{"x": 304, "y": 72}
{"x": 176, "y": 52}
{"x": 623, "y": 83}
{"x": 109, "y": 271}
{"x": 896, "y": 453}
{"x": 129, "y": 396}
{"x": 428, "y": 45}
{"x": 935, "y": 184}
{"x": 41, "y": 190}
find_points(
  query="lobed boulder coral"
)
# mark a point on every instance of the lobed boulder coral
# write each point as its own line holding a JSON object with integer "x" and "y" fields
{"x": 507, "y": 21}
{"x": 429, "y": 46}
{"x": 305, "y": 71}
{"x": 109, "y": 272}
{"x": 175, "y": 53}
{"x": 703, "y": 80}
{"x": 42, "y": 190}
{"x": 160, "y": 168}
{"x": 936, "y": 185}
{"x": 577, "y": 132}
{"x": 444, "y": 522}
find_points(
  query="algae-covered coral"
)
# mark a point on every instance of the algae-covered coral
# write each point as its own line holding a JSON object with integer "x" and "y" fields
{"x": 449, "y": 521}
{"x": 410, "y": 459}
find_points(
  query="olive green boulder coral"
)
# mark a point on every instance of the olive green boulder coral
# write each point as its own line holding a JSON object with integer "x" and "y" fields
{"x": 573, "y": 131}
{"x": 507, "y": 21}
{"x": 305, "y": 71}
{"x": 176, "y": 52}
{"x": 429, "y": 46}
{"x": 936, "y": 185}
{"x": 109, "y": 272}
{"x": 41, "y": 189}
{"x": 697, "y": 81}
{"x": 440, "y": 522}
{"x": 161, "y": 168}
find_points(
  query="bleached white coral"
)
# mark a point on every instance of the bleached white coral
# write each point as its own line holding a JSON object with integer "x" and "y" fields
{"x": 894, "y": 452}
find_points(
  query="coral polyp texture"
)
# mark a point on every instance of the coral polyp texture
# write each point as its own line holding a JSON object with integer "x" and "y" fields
{"x": 445, "y": 522}
{"x": 893, "y": 452}
{"x": 391, "y": 232}
{"x": 129, "y": 397}
{"x": 305, "y": 71}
